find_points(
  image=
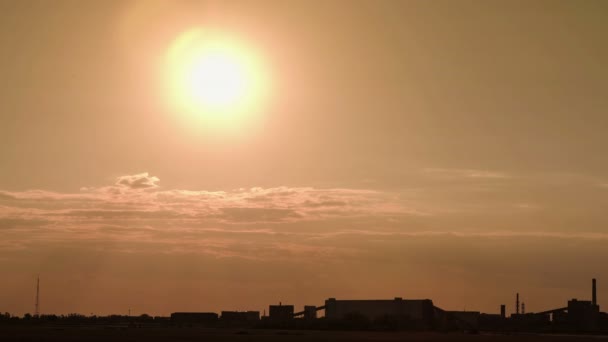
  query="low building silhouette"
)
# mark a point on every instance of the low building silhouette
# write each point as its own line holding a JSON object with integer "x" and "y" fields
{"x": 281, "y": 312}
{"x": 240, "y": 316}
{"x": 464, "y": 320}
{"x": 420, "y": 312}
{"x": 583, "y": 315}
{"x": 194, "y": 317}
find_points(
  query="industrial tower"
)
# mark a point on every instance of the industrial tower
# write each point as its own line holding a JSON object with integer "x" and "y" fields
{"x": 593, "y": 292}
{"x": 37, "y": 311}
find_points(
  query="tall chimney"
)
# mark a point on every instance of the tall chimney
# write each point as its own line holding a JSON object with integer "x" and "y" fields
{"x": 593, "y": 292}
{"x": 523, "y": 308}
{"x": 517, "y": 303}
{"x": 503, "y": 310}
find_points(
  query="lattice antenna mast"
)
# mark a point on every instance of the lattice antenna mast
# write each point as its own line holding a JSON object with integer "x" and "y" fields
{"x": 37, "y": 312}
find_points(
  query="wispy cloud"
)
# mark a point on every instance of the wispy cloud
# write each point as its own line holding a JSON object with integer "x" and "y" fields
{"x": 134, "y": 213}
{"x": 465, "y": 234}
{"x": 447, "y": 173}
{"x": 135, "y": 209}
{"x": 138, "y": 181}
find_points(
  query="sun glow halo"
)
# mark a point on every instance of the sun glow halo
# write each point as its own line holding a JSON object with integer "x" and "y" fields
{"x": 214, "y": 78}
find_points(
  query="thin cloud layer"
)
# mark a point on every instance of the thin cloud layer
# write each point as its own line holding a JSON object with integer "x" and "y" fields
{"x": 136, "y": 214}
{"x": 464, "y": 173}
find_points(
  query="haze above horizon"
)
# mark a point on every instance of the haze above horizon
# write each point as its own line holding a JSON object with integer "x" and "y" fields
{"x": 452, "y": 150}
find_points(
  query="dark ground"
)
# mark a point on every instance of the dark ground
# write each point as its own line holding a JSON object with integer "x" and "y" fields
{"x": 9, "y": 334}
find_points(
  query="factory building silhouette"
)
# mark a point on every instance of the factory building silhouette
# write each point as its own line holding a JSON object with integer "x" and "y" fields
{"x": 422, "y": 314}
{"x": 576, "y": 316}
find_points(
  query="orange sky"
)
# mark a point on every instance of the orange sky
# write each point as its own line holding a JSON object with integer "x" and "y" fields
{"x": 451, "y": 150}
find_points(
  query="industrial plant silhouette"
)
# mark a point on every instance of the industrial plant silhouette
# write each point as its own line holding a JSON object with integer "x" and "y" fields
{"x": 577, "y": 316}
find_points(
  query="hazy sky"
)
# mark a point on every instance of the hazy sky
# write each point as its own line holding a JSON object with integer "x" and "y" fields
{"x": 452, "y": 150}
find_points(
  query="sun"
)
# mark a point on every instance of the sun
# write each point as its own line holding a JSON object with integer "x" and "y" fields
{"x": 214, "y": 78}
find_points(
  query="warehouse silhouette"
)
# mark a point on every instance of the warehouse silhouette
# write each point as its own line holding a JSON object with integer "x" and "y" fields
{"x": 415, "y": 314}
{"x": 576, "y": 316}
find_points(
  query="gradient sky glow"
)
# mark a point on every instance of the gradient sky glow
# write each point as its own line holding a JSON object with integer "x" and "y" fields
{"x": 452, "y": 150}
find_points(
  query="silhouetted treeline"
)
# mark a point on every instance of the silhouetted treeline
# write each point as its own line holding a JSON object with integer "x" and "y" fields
{"x": 354, "y": 321}
{"x": 79, "y": 319}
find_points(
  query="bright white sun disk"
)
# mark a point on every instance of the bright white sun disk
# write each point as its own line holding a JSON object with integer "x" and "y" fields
{"x": 217, "y": 80}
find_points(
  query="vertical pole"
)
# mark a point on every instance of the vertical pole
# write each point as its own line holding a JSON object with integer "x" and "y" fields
{"x": 37, "y": 311}
{"x": 593, "y": 292}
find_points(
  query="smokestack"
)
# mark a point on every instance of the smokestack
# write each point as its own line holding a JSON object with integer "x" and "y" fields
{"x": 593, "y": 292}
{"x": 523, "y": 308}
{"x": 503, "y": 311}
{"x": 517, "y": 303}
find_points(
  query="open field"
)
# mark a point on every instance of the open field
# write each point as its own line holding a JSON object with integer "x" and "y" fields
{"x": 23, "y": 334}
